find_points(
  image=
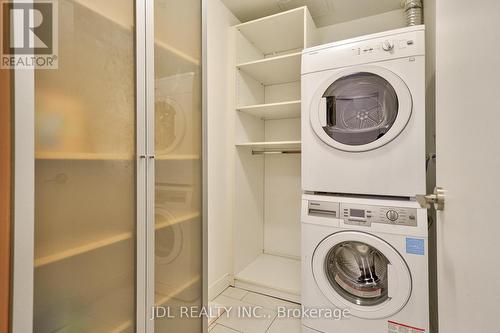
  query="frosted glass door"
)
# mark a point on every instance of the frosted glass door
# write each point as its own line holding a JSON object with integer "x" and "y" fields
{"x": 177, "y": 125}
{"x": 85, "y": 195}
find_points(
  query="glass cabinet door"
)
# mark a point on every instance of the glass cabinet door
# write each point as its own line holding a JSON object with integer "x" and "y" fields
{"x": 85, "y": 195}
{"x": 177, "y": 125}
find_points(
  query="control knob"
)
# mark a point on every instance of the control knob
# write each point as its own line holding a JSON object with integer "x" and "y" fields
{"x": 392, "y": 215}
{"x": 388, "y": 45}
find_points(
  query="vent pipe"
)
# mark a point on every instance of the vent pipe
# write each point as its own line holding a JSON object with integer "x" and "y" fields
{"x": 413, "y": 11}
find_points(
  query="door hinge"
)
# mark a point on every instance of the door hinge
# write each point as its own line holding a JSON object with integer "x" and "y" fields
{"x": 436, "y": 199}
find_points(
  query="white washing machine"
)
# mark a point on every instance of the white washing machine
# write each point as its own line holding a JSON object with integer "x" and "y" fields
{"x": 366, "y": 257}
{"x": 363, "y": 115}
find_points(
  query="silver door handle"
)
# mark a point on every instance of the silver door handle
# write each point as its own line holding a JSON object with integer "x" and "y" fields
{"x": 437, "y": 199}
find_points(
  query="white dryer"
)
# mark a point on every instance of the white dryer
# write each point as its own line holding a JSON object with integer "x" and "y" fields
{"x": 363, "y": 115}
{"x": 367, "y": 257}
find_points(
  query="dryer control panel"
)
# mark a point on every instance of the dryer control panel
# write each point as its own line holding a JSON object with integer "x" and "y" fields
{"x": 406, "y": 43}
{"x": 388, "y": 45}
{"x": 366, "y": 215}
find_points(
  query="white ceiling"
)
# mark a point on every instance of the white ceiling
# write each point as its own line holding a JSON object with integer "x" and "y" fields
{"x": 324, "y": 12}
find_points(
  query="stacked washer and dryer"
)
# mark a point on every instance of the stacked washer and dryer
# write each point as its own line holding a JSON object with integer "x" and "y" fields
{"x": 364, "y": 237}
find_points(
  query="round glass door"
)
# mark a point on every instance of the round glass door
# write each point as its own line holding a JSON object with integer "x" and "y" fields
{"x": 361, "y": 109}
{"x": 358, "y": 272}
{"x": 362, "y": 273}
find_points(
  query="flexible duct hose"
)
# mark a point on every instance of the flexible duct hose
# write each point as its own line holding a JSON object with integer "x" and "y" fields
{"x": 413, "y": 11}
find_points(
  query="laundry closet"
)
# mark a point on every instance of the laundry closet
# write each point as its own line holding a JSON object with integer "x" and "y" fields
{"x": 254, "y": 132}
{"x": 167, "y": 162}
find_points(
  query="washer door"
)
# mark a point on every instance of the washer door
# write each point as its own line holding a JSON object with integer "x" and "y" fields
{"x": 363, "y": 273}
{"x": 360, "y": 109}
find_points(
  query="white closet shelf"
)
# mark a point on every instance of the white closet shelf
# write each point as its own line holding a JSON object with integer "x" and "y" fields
{"x": 161, "y": 300}
{"x": 105, "y": 313}
{"x": 281, "y": 110}
{"x": 271, "y": 145}
{"x": 131, "y": 28}
{"x": 124, "y": 327}
{"x": 272, "y": 275}
{"x": 102, "y": 243}
{"x": 164, "y": 299}
{"x": 280, "y": 32}
{"x": 177, "y": 52}
{"x": 177, "y": 157}
{"x": 269, "y": 71}
{"x": 96, "y": 326}
{"x": 177, "y": 220}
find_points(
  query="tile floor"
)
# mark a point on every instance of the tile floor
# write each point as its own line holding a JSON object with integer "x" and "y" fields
{"x": 266, "y": 309}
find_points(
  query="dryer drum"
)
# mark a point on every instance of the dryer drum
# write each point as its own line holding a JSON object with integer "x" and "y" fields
{"x": 358, "y": 272}
{"x": 360, "y": 108}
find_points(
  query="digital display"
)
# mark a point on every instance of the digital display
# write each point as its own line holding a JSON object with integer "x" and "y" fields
{"x": 357, "y": 213}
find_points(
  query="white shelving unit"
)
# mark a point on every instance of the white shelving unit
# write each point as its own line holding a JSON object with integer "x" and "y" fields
{"x": 281, "y": 110}
{"x": 267, "y": 200}
{"x": 87, "y": 247}
{"x": 281, "y": 32}
{"x": 271, "y": 145}
{"x": 276, "y": 70}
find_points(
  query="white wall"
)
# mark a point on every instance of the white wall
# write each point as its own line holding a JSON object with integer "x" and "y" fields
{"x": 220, "y": 144}
{"x": 282, "y": 192}
{"x": 367, "y": 25}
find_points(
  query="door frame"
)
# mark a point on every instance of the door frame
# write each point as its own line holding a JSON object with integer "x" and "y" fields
{"x": 141, "y": 167}
{"x": 5, "y": 195}
{"x": 204, "y": 157}
{"x": 23, "y": 197}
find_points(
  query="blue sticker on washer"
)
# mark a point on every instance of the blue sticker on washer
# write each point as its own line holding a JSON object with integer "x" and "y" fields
{"x": 415, "y": 246}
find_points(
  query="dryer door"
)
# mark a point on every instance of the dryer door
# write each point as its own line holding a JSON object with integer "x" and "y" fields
{"x": 360, "y": 109}
{"x": 363, "y": 273}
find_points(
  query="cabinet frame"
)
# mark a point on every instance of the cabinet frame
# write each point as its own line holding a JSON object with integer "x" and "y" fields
{"x": 24, "y": 178}
{"x": 23, "y": 199}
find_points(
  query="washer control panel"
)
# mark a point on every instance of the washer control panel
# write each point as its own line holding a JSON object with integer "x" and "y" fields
{"x": 366, "y": 215}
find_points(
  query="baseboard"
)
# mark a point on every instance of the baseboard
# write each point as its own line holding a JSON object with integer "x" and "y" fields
{"x": 219, "y": 286}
